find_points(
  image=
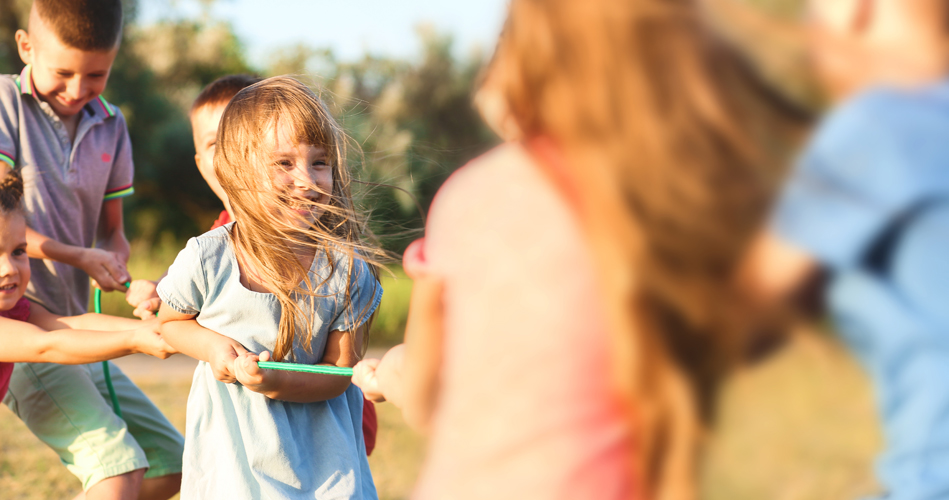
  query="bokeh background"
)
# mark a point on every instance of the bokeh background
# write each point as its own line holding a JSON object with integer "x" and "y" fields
{"x": 400, "y": 76}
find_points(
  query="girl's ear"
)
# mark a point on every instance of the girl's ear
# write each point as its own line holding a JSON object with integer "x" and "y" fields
{"x": 24, "y": 46}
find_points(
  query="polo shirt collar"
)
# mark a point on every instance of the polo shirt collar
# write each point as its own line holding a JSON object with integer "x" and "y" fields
{"x": 25, "y": 81}
{"x": 97, "y": 107}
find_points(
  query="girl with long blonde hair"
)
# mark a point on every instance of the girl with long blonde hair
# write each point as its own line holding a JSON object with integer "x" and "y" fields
{"x": 588, "y": 316}
{"x": 292, "y": 279}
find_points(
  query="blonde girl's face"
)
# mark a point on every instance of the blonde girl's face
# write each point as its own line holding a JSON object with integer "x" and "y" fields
{"x": 14, "y": 263}
{"x": 302, "y": 179}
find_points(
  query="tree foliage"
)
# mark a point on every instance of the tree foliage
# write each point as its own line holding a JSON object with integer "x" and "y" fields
{"x": 411, "y": 122}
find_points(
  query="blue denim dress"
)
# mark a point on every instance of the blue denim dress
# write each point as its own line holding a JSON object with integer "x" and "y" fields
{"x": 240, "y": 444}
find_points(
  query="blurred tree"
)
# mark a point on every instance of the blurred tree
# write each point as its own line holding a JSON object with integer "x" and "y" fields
{"x": 158, "y": 73}
{"x": 14, "y": 14}
{"x": 413, "y": 121}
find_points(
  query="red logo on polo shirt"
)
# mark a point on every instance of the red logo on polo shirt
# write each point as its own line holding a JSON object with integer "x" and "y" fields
{"x": 106, "y": 157}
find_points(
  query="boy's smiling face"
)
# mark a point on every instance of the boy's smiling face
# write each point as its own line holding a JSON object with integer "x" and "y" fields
{"x": 65, "y": 77}
{"x": 14, "y": 263}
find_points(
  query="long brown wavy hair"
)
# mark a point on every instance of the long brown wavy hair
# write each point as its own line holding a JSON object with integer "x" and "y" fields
{"x": 264, "y": 237}
{"x": 669, "y": 139}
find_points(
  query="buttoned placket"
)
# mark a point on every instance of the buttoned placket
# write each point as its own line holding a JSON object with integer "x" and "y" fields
{"x": 88, "y": 120}
{"x": 60, "y": 128}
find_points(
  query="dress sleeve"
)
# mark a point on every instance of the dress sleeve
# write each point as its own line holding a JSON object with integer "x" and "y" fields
{"x": 120, "y": 178}
{"x": 365, "y": 295}
{"x": 185, "y": 287}
{"x": 847, "y": 188}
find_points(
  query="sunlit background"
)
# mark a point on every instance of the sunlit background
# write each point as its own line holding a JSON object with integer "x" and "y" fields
{"x": 400, "y": 76}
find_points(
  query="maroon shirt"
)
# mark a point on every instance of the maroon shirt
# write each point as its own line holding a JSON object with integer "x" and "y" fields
{"x": 19, "y": 312}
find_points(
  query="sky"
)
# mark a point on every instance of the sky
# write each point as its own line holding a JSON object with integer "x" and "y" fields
{"x": 350, "y": 27}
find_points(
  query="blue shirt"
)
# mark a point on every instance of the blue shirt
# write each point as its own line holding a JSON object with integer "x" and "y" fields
{"x": 240, "y": 444}
{"x": 870, "y": 201}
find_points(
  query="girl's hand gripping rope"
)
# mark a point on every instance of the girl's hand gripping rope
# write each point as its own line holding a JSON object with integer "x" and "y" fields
{"x": 252, "y": 376}
{"x": 223, "y": 358}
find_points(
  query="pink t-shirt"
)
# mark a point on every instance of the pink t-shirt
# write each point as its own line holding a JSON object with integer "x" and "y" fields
{"x": 21, "y": 312}
{"x": 527, "y": 407}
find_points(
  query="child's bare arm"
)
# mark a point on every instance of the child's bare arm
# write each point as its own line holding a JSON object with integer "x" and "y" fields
{"x": 41, "y": 317}
{"x": 381, "y": 379}
{"x": 774, "y": 274}
{"x": 101, "y": 265}
{"x": 111, "y": 231}
{"x": 408, "y": 375}
{"x": 190, "y": 338}
{"x": 27, "y": 342}
{"x": 424, "y": 341}
{"x": 779, "y": 284}
{"x": 303, "y": 387}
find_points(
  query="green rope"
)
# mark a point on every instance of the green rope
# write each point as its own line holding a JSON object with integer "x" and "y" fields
{"x": 97, "y": 304}
{"x": 271, "y": 365}
{"x": 294, "y": 367}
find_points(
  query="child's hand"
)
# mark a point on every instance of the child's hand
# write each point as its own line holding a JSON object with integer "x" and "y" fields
{"x": 106, "y": 269}
{"x": 252, "y": 376}
{"x": 223, "y": 360}
{"x": 148, "y": 340}
{"x": 364, "y": 376}
{"x": 142, "y": 295}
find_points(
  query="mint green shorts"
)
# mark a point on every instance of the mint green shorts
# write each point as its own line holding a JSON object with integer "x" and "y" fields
{"x": 69, "y": 409}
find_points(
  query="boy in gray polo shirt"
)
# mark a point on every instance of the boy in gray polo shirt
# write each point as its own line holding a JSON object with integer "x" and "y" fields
{"x": 72, "y": 148}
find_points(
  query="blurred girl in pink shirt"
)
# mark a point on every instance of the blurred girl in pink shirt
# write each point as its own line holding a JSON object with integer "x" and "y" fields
{"x": 572, "y": 315}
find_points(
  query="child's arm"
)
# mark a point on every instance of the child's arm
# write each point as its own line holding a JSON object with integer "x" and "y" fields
{"x": 408, "y": 375}
{"x": 775, "y": 274}
{"x": 779, "y": 283}
{"x": 298, "y": 387}
{"x": 143, "y": 296}
{"x": 190, "y": 338}
{"x": 111, "y": 235}
{"x": 42, "y": 318}
{"x": 103, "y": 266}
{"x": 111, "y": 232}
{"x": 381, "y": 380}
{"x": 30, "y": 342}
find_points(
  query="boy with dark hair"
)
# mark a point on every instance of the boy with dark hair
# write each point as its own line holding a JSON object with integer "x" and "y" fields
{"x": 205, "y": 116}
{"x": 868, "y": 207}
{"x": 72, "y": 148}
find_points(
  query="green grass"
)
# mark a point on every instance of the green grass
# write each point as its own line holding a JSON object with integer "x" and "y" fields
{"x": 800, "y": 427}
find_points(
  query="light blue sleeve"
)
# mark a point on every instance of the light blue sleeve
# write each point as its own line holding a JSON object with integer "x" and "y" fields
{"x": 848, "y": 186}
{"x": 185, "y": 287}
{"x": 365, "y": 295}
{"x": 920, "y": 269}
